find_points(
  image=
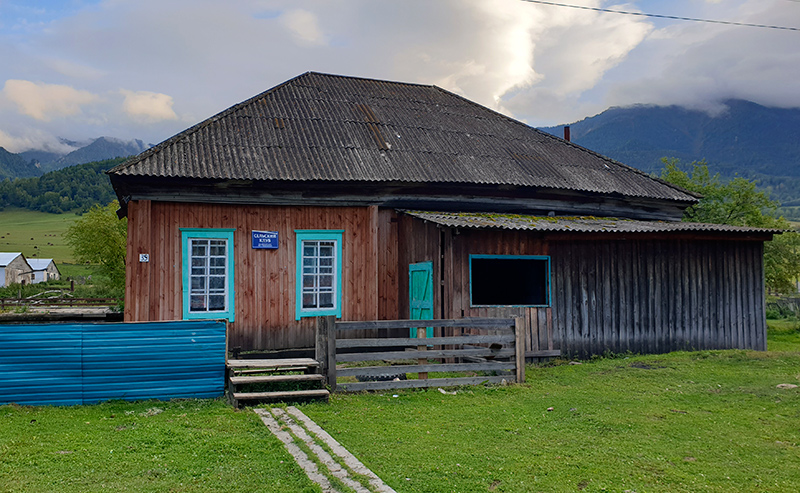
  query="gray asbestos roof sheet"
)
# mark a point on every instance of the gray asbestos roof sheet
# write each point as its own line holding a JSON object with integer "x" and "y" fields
{"x": 319, "y": 127}
{"x": 559, "y": 224}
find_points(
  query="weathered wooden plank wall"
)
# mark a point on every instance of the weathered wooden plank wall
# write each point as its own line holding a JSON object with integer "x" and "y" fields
{"x": 264, "y": 279}
{"x": 458, "y": 248}
{"x": 388, "y": 273}
{"x": 418, "y": 242}
{"x": 647, "y": 295}
{"x": 653, "y": 296}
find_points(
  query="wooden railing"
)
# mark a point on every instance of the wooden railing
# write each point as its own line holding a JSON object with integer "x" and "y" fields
{"x": 499, "y": 353}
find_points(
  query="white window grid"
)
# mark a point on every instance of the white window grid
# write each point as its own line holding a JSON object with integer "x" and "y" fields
{"x": 209, "y": 275}
{"x": 319, "y": 274}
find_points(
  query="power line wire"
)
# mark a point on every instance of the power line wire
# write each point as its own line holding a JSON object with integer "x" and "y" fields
{"x": 661, "y": 16}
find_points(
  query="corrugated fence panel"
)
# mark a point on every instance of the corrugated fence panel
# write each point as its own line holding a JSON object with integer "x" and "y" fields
{"x": 156, "y": 360}
{"x": 88, "y": 363}
{"x": 40, "y": 364}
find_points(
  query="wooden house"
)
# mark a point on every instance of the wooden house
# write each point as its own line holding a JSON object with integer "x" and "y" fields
{"x": 368, "y": 199}
{"x": 44, "y": 269}
{"x": 14, "y": 269}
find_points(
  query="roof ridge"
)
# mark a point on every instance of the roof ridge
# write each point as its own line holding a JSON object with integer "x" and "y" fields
{"x": 202, "y": 124}
{"x": 367, "y": 79}
{"x": 218, "y": 116}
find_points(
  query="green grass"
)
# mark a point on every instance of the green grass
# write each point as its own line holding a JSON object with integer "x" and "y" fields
{"x": 704, "y": 421}
{"x": 153, "y": 446}
{"x": 784, "y": 335}
{"x": 680, "y": 422}
{"x": 77, "y": 270}
{"x": 36, "y": 234}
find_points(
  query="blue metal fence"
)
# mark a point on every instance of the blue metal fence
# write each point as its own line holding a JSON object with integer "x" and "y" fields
{"x": 65, "y": 364}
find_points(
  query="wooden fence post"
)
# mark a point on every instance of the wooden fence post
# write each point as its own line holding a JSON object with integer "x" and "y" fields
{"x": 325, "y": 350}
{"x": 422, "y": 333}
{"x": 519, "y": 348}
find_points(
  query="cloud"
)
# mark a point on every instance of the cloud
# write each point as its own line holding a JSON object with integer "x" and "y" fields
{"x": 699, "y": 65}
{"x": 528, "y": 61}
{"x": 490, "y": 54}
{"x": 304, "y": 26}
{"x": 148, "y": 107}
{"x": 45, "y": 102}
{"x": 33, "y": 139}
{"x": 542, "y": 64}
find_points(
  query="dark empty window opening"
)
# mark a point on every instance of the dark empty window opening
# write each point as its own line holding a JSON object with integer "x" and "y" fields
{"x": 509, "y": 280}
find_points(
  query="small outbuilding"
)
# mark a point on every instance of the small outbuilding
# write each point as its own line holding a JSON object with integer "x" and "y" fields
{"x": 14, "y": 269}
{"x": 369, "y": 199}
{"x": 44, "y": 269}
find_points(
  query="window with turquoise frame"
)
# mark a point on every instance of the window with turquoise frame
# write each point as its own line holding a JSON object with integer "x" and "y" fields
{"x": 207, "y": 273}
{"x": 509, "y": 280}
{"x": 319, "y": 273}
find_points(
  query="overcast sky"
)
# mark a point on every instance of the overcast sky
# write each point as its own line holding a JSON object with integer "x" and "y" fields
{"x": 147, "y": 69}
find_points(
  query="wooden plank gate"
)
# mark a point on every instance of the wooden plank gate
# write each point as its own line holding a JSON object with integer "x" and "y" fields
{"x": 498, "y": 352}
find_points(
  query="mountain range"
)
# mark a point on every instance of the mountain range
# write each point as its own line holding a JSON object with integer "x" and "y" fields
{"x": 744, "y": 139}
{"x": 36, "y": 162}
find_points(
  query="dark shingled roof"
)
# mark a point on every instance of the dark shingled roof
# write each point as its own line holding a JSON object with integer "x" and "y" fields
{"x": 578, "y": 224}
{"x": 319, "y": 127}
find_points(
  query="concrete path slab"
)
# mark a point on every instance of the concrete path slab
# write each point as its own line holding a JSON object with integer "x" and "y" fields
{"x": 340, "y": 464}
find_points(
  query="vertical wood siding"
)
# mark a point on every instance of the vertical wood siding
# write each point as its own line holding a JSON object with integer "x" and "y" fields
{"x": 538, "y": 320}
{"x": 657, "y": 296}
{"x": 388, "y": 266}
{"x": 264, "y": 279}
{"x": 644, "y": 296}
{"x": 421, "y": 241}
{"x": 653, "y": 295}
{"x": 418, "y": 242}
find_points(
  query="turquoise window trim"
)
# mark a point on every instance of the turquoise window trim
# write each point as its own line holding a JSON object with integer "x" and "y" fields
{"x": 317, "y": 235}
{"x": 531, "y": 257}
{"x": 207, "y": 233}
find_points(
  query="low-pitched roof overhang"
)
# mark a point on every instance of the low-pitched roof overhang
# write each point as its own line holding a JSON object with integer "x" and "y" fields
{"x": 590, "y": 225}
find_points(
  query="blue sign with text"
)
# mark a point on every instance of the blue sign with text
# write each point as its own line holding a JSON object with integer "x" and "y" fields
{"x": 265, "y": 239}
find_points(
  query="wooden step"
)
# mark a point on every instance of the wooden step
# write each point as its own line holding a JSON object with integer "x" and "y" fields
{"x": 276, "y": 378}
{"x": 273, "y": 364}
{"x": 284, "y": 395}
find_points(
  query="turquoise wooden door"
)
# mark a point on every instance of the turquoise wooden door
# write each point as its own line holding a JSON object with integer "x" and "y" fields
{"x": 420, "y": 287}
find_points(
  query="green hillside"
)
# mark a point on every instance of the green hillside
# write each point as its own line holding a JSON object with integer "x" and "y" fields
{"x": 748, "y": 140}
{"x": 73, "y": 189}
{"x": 12, "y": 166}
{"x": 36, "y": 234}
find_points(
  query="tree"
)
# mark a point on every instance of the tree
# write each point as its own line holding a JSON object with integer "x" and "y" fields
{"x": 739, "y": 203}
{"x": 100, "y": 237}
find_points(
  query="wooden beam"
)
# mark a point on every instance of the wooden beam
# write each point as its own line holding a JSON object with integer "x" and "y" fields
{"x": 519, "y": 348}
{"x": 417, "y": 384}
{"x": 431, "y": 341}
{"x": 273, "y": 363}
{"x": 325, "y": 349}
{"x": 373, "y": 371}
{"x": 484, "y": 323}
{"x": 433, "y": 354}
